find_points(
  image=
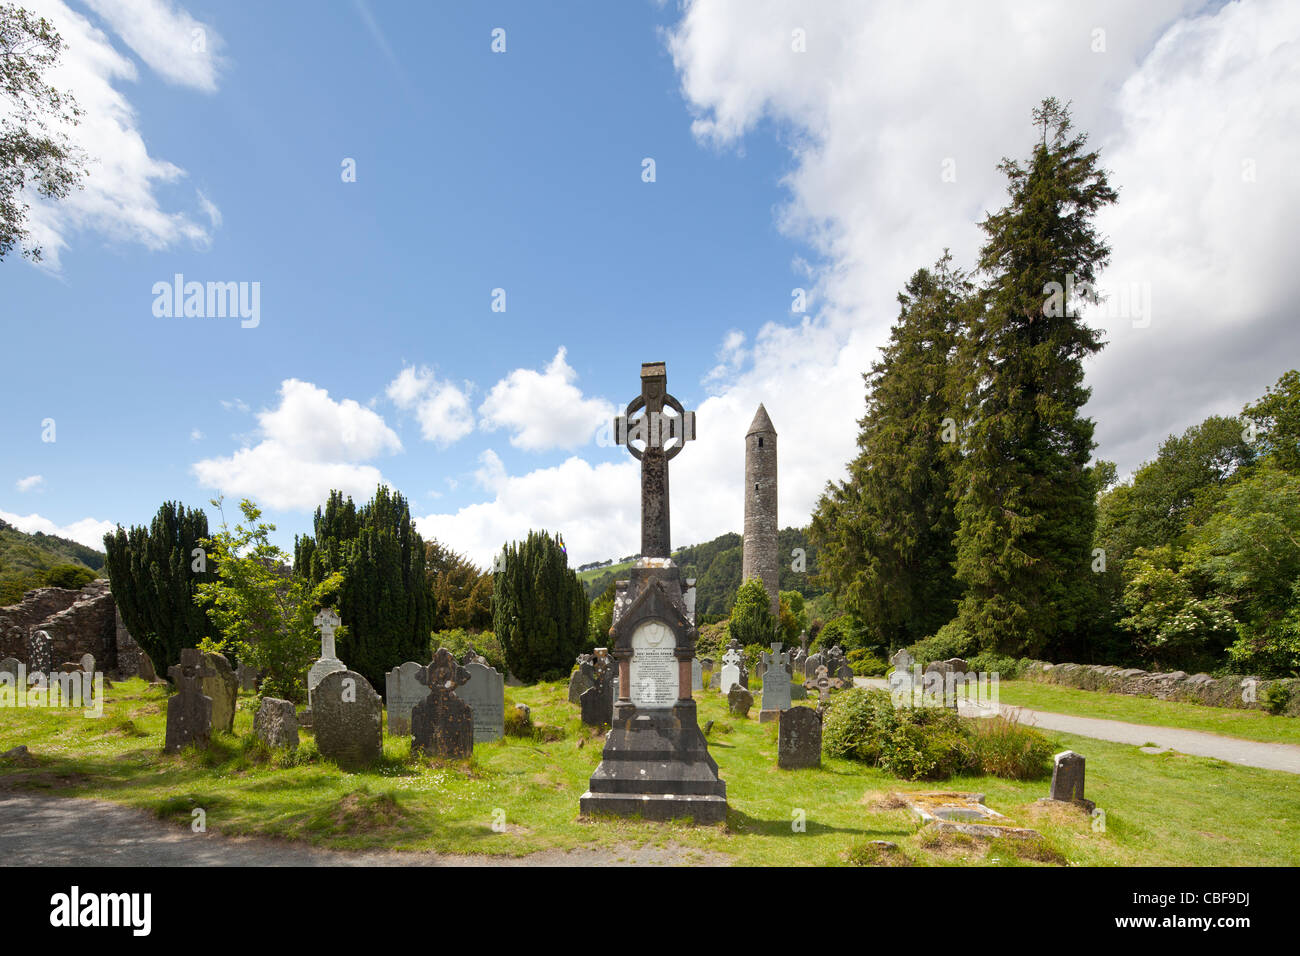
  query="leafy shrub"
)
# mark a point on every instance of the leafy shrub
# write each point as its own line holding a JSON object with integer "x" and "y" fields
{"x": 459, "y": 641}
{"x": 519, "y": 723}
{"x": 951, "y": 640}
{"x": 867, "y": 664}
{"x": 751, "y": 616}
{"x": 1276, "y": 697}
{"x": 929, "y": 743}
{"x": 1006, "y": 748}
{"x": 846, "y": 630}
{"x": 990, "y": 662}
{"x": 74, "y": 577}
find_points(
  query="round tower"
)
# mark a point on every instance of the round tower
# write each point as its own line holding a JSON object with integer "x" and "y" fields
{"x": 760, "y": 559}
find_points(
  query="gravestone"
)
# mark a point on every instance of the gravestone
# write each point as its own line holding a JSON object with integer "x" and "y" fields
{"x": 797, "y": 661}
{"x": 838, "y": 665}
{"x": 1067, "y": 780}
{"x": 276, "y": 724}
{"x": 328, "y": 621}
{"x": 246, "y": 675}
{"x": 655, "y": 763}
{"x": 473, "y": 657}
{"x": 596, "y": 707}
{"x": 404, "y": 689}
{"x": 584, "y": 676}
{"x": 11, "y": 666}
{"x": 799, "y": 739}
{"x": 217, "y": 680}
{"x": 442, "y": 725}
{"x": 739, "y": 700}
{"x": 347, "y": 719}
{"x": 697, "y": 674}
{"x": 776, "y": 685}
{"x": 485, "y": 692}
{"x": 730, "y": 670}
{"x": 189, "y": 710}
{"x": 812, "y": 662}
{"x": 40, "y": 652}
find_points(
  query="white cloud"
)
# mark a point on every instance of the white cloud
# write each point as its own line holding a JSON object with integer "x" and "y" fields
{"x": 196, "y": 435}
{"x": 178, "y": 47}
{"x": 234, "y": 405}
{"x": 210, "y": 210}
{"x": 87, "y": 531}
{"x": 544, "y": 410}
{"x": 309, "y": 445}
{"x": 595, "y": 507}
{"x": 441, "y": 408}
{"x": 118, "y": 199}
{"x": 30, "y": 483}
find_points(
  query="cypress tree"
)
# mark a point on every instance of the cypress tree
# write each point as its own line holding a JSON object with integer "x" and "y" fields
{"x": 1024, "y": 496}
{"x": 886, "y": 534}
{"x": 539, "y": 608}
{"x": 152, "y": 572}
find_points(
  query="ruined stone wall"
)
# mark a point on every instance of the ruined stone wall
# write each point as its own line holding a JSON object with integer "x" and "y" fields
{"x": 18, "y": 619}
{"x": 1174, "y": 685}
{"x": 78, "y": 623}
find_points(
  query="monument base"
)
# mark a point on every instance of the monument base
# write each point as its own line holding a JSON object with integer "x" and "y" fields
{"x": 767, "y": 716}
{"x": 657, "y": 765}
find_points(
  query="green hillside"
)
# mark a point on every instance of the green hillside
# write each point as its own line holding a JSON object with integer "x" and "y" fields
{"x": 41, "y": 560}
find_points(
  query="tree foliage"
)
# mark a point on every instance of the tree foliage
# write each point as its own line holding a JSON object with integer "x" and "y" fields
{"x": 752, "y": 621}
{"x": 460, "y": 592}
{"x": 539, "y": 608}
{"x": 34, "y": 149}
{"x": 155, "y": 573}
{"x": 384, "y": 598}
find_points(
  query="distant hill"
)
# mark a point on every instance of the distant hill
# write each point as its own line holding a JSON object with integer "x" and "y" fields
{"x": 25, "y": 559}
{"x": 715, "y": 565}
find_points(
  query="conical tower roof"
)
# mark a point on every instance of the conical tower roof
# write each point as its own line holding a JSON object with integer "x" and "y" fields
{"x": 761, "y": 425}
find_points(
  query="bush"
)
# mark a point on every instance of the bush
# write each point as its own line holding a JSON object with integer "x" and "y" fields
{"x": 519, "y": 723}
{"x": 846, "y": 630}
{"x": 459, "y": 641}
{"x": 1007, "y": 668}
{"x": 951, "y": 640}
{"x": 867, "y": 664}
{"x": 752, "y": 622}
{"x": 1009, "y": 749}
{"x": 74, "y": 577}
{"x": 1276, "y": 697}
{"x": 857, "y": 723}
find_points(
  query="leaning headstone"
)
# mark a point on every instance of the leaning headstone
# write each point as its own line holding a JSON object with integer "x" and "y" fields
{"x": 776, "y": 685}
{"x": 346, "y": 717}
{"x": 799, "y": 739}
{"x": 697, "y": 674}
{"x": 442, "y": 725}
{"x": 739, "y": 700}
{"x": 584, "y": 676}
{"x": 223, "y": 687}
{"x": 730, "y": 670}
{"x": 276, "y": 723}
{"x": 403, "y": 690}
{"x": 328, "y": 621}
{"x": 189, "y": 710}
{"x": 1067, "y": 780}
{"x": 485, "y": 692}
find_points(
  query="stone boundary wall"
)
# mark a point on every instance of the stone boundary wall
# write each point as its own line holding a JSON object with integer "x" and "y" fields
{"x": 1174, "y": 685}
{"x": 36, "y": 606}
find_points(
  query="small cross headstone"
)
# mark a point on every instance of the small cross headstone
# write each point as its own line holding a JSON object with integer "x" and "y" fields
{"x": 189, "y": 710}
{"x": 328, "y": 621}
{"x": 799, "y": 739}
{"x": 442, "y": 725}
{"x": 347, "y": 719}
{"x": 403, "y": 689}
{"x": 730, "y": 670}
{"x": 485, "y": 692}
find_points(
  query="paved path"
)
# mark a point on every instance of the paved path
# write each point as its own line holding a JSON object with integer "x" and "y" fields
{"x": 1247, "y": 753}
{"x": 66, "y": 831}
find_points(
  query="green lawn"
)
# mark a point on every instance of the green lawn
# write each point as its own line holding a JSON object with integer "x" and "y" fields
{"x": 1248, "y": 724}
{"x": 1165, "y": 809}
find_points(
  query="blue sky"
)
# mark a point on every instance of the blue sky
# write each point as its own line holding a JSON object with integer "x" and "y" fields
{"x": 775, "y": 168}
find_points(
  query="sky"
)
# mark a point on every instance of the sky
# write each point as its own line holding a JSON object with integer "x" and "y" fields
{"x": 451, "y": 234}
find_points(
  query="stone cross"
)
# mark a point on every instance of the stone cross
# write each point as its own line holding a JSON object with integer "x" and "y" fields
{"x": 655, "y": 429}
{"x": 328, "y": 621}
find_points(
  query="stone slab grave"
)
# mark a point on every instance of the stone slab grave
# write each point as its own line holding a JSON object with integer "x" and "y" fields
{"x": 655, "y": 763}
{"x": 403, "y": 690}
{"x": 442, "y": 725}
{"x": 1067, "y": 781}
{"x": 776, "y": 684}
{"x": 189, "y": 710}
{"x": 799, "y": 739}
{"x": 485, "y": 693}
{"x": 346, "y": 717}
{"x": 328, "y": 621}
{"x": 951, "y": 811}
{"x": 597, "y": 701}
{"x": 739, "y": 701}
{"x": 276, "y": 724}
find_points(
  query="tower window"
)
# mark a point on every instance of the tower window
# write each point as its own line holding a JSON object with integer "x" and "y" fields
{"x": 756, "y": 487}
{"x": 760, "y": 443}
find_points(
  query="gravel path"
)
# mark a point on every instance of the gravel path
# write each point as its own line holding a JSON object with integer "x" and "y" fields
{"x": 1199, "y": 743}
{"x": 66, "y": 831}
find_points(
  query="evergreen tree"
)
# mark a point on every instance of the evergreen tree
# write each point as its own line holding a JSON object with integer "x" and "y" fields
{"x": 154, "y": 572}
{"x": 752, "y": 621}
{"x": 460, "y": 592}
{"x": 384, "y": 599}
{"x": 1025, "y": 498}
{"x": 886, "y": 534}
{"x": 539, "y": 608}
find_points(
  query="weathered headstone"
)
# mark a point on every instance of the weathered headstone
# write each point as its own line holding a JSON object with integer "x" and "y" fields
{"x": 739, "y": 700}
{"x": 189, "y": 710}
{"x": 596, "y": 708}
{"x": 1067, "y": 779}
{"x": 246, "y": 675}
{"x": 276, "y": 723}
{"x": 223, "y": 687}
{"x": 583, "y": 677}
{"x": 404, "y": 689}
{"x": 40, "y": 652}
{"x": 797, "y": 661}
{"x": 730, "y": 670}
{"x": 11, "y": 666}
{"x": 799, "y": 739}
{"x": 838, "y": 665}
{"x": 776, "y": 685}
{"x": 347, "y": 719}
{"x": 485, "y": 692}
{"x": 697, "y": 674}
{"x": 328, "y": 621}
{"x": 442, "y": 725}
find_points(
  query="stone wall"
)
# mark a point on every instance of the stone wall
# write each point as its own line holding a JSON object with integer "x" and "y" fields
{"x": 1174, "y": 685}
{"x": 78, "y": 622}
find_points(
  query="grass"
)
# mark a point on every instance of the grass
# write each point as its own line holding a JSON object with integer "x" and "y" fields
{"x": 1165, "y": 809}
{"x": 1247, "y": 724}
